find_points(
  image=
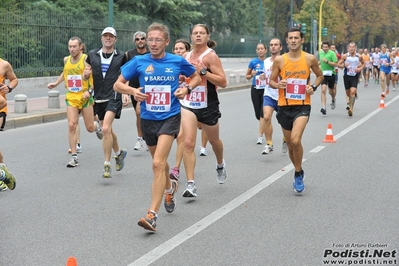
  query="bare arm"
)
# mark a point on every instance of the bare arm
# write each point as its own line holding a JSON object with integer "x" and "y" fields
{"x": 122, "y": 87}
{"x": 59, "y": 79}
{"x": 195, "y": 80}
{"x": 361, "y": 64}
{"x": 314, "y": 65}
{"x": 341, "y": 61}
{"x": 217, "y": 77}
{"x": 10, "y": 75}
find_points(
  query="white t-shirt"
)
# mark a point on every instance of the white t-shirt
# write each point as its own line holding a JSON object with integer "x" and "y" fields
{"x": 272, "y": 93}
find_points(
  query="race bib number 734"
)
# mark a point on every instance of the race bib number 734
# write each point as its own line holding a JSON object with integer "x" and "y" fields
{"x": 159, "y": 98}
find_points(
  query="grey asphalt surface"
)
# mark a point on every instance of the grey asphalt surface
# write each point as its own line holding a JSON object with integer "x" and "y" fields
{"x": 255, "y": 218}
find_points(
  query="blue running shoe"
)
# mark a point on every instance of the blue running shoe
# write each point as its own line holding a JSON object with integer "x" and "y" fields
{"x": 298, "y": 184}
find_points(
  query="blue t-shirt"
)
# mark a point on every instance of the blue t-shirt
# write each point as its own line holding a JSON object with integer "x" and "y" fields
{"x": 257, "y": 65}
{"x": 384, "y": 59}
{"x": 160, "y": 79}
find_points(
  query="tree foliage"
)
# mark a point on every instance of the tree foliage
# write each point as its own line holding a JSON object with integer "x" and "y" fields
{"x": 367, "y": 22}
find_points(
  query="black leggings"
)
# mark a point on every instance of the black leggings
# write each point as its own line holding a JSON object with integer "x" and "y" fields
{"x": 257, "y": 101}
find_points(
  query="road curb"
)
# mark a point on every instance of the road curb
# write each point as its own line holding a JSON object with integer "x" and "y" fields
{"x": 41, "y": 116}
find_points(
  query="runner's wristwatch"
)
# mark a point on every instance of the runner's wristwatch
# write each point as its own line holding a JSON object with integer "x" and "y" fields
{"x": 9, "y": 89}
{"x": 314, "y": 87}
{"x": 203, "y": 71}
{"x": 189, "y": 89}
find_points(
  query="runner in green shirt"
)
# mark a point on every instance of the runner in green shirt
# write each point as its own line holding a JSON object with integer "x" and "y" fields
{"x": 328, "y": 60}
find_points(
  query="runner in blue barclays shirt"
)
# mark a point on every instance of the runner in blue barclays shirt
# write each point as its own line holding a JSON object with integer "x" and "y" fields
{"x": 159, "y": 95}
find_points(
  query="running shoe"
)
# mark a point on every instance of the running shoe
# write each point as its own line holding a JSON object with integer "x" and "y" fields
{"x": 350, "y": 112}
{"x": 260, "y": 140}
{"x": 332, "y": 105}
{"x": 284, "y": 147}
{"x": 7, "y": 177}
{"x": 387, "y": 91}
{"x": 3, "y": 186}
{"x": 79, "y": 148}
{"x": 120, "y": 160}
{"x": 139, "y": 144}
{"x": 221, "y": 173}
{"x": 98, "y": 130}
{"x": 174, "y": 173}
{"x": 73, "y": 162}
{"x": 394, "y": 89}
{"x": 191, "y": 190}
{"x": 170, "y": 201}
{"x": 203, "y": 151}
{"x": 348, "y": 106}
{"x": 268, "y": 149}
{"x": 107, "y": 171}
{"x": 382, "y": 94}
{"x": 149, "y": 222}
{"x": 323, "y": 111}
{"x": 298, "y": 184}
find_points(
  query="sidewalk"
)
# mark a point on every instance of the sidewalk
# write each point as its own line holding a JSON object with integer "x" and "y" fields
{"x": 38, "y": 111}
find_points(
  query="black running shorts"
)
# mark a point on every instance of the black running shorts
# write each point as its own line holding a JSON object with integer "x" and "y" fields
{"x": 286, "y": 115}
{"x": 112, "y": 105}
{"x": 152, "y": 129}
{"x": 208, "y": 116}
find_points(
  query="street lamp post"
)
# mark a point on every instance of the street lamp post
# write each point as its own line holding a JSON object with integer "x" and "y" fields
{"x": 110, "y": 13}
{"x": 260, "y": 20}
{"x": 311, "y": 28}
{"x": 320, "y": 22}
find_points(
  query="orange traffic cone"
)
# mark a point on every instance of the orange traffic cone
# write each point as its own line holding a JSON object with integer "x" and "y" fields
{"x": 72, "y": 262}
{"x": 382, "y": 104}
{"x": 329, "y": 135}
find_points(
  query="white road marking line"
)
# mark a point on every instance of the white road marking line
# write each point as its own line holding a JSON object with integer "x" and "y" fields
{"x": 180, "y": 238}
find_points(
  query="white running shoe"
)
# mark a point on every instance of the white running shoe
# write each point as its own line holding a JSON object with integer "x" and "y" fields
{"x": 73, "y": 162}
{"x": 268, "y": 150}
{"x": 221, "y": 173}
{"x": 79, "y": 148}
{"x": 191, "y": 190}
{"x": 260, "y": 140}
{"x": 203, "y": 151}
{"x": 284, "y": 147}
{"x": 98, "y": 130}
{"x": 139, "y": 144}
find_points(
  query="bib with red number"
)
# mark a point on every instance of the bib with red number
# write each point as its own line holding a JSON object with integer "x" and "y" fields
{"x": 74, "y": 83}
{"x": 260, "y": 84}
{"x": 197, "y": 99}
{"x": 159, "y": 98}
{"x": 296, "y": 89}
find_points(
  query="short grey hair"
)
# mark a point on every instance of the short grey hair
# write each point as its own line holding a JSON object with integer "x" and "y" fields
{"x": 139, "y": 33}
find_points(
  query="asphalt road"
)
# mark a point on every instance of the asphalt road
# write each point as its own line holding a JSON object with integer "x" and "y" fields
{"x": 255, "y": 218}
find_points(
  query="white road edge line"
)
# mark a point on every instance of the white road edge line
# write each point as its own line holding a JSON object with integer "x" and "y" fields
{"x": 175, "y": 241}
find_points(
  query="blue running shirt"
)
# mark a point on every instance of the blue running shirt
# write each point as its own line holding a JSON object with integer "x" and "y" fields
{"x": 159, "y": 79}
